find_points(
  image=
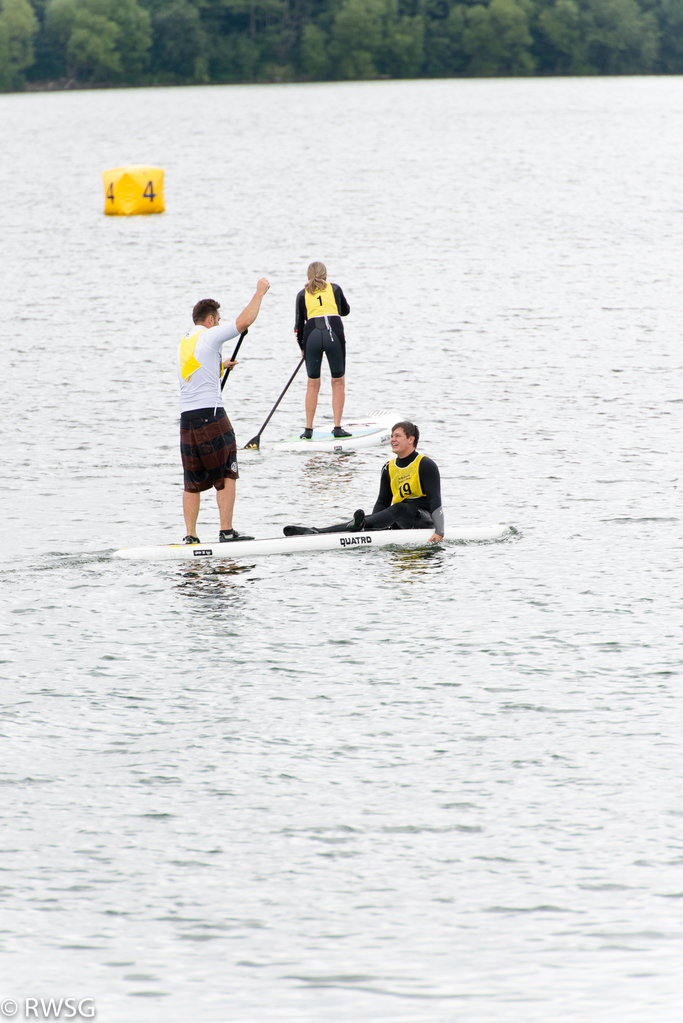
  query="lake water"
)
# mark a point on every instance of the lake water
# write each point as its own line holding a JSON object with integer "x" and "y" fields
{"x": 384, "y": 786}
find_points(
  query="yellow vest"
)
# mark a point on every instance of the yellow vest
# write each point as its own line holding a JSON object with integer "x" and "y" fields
{"x": 405, "y": 483}
{"x": 188, "y": 363}
{"x": 322, "y": 303}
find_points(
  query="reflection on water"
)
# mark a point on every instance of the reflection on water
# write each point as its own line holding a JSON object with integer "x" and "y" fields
{"x": 417, "y": 562}
{"x": 213, "y": 586}
{"x": 224, "y": 567}
{"x": 325, "y": 472}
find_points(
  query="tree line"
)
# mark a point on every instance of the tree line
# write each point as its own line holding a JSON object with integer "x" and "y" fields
{"x": 175, "y": 42}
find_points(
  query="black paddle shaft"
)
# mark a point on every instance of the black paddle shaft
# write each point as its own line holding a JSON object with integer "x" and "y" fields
{"x": 255, "y": 442}
{"x": 234, "y": 356}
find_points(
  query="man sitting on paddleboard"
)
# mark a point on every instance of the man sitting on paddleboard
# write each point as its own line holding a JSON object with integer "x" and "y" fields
{"x": 409, "y": 493}
{"x": 207, "y": 440}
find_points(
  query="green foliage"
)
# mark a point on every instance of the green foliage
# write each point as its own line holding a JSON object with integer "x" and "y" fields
{"x": 497, "y": 40}
{"x": 180, "y": 50}
{"x": 18, "y": 26}
{"x": 622, "y": 39}
{"x": 404, "y": 54}
{"x": 315, "y": 62}
{"x": 179, "y": 41}
{"x": 356, "y": 38}
{"x": 669, "y": 15}
{"x": 100, "y": 40}
{"x": 371, "y": 37}
{"x": 563, "y": 28}
{"x": 235, "y": 58}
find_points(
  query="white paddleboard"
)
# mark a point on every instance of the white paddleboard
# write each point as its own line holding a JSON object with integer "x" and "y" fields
{"x": 312, "y": 542}
{"x": 366, "y": 432}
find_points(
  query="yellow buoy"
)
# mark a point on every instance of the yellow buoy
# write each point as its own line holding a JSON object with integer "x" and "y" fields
{"x": 129, "y": 191}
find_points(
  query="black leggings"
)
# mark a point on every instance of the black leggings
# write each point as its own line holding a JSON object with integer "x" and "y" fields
{"x": 404, "y": 515}
{"x": 318, "y": 339}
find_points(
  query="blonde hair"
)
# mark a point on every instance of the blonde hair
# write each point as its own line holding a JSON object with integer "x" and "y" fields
{"x": 317, "y": 277}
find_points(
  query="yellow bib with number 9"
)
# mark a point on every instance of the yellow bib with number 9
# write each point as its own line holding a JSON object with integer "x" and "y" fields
{"x": 405, "y": 483}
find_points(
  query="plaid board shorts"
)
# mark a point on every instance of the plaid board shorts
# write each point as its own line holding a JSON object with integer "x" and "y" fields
{"x": 208, "y": 449}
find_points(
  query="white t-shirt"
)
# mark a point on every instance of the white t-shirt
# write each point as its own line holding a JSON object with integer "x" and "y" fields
{"x": 202, "y": 389}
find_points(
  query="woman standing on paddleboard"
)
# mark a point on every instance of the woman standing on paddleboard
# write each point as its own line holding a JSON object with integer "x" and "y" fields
{"x": 318, "y": 328}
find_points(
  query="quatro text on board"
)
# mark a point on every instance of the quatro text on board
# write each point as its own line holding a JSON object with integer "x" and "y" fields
{"x": 354, "y": 541}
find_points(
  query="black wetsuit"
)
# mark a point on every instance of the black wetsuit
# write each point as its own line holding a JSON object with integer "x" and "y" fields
{"x": 322, "y": 334}
{"x": 417, "y": 513}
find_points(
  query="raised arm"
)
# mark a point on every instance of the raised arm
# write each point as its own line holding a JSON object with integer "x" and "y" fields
{"x": 250, "y": 312}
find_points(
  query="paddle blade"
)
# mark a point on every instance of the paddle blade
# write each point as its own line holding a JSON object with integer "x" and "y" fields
{"x": 254, "y": 444}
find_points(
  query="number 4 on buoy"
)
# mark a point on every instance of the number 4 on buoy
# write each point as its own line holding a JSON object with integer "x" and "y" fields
{"x": 135, "y": 190}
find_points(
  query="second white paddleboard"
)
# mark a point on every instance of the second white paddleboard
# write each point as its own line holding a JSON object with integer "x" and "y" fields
{"x": 366, "y": 432}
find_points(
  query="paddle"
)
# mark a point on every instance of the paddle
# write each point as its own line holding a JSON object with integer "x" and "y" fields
{"x": 255, "y": 442}
{"x": 234, "y": 356}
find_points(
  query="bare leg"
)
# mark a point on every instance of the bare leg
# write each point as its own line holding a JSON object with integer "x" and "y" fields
{"x": 338, "y": 395}
{"x": 311, "y": 400}
{"x": 190, "y": 511}
{"x": 226, "y": 503}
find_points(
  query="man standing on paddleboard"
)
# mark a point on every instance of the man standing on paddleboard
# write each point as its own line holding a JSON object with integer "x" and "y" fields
{"x": 207, "y": 439}
{"x": 409, "y": 493}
